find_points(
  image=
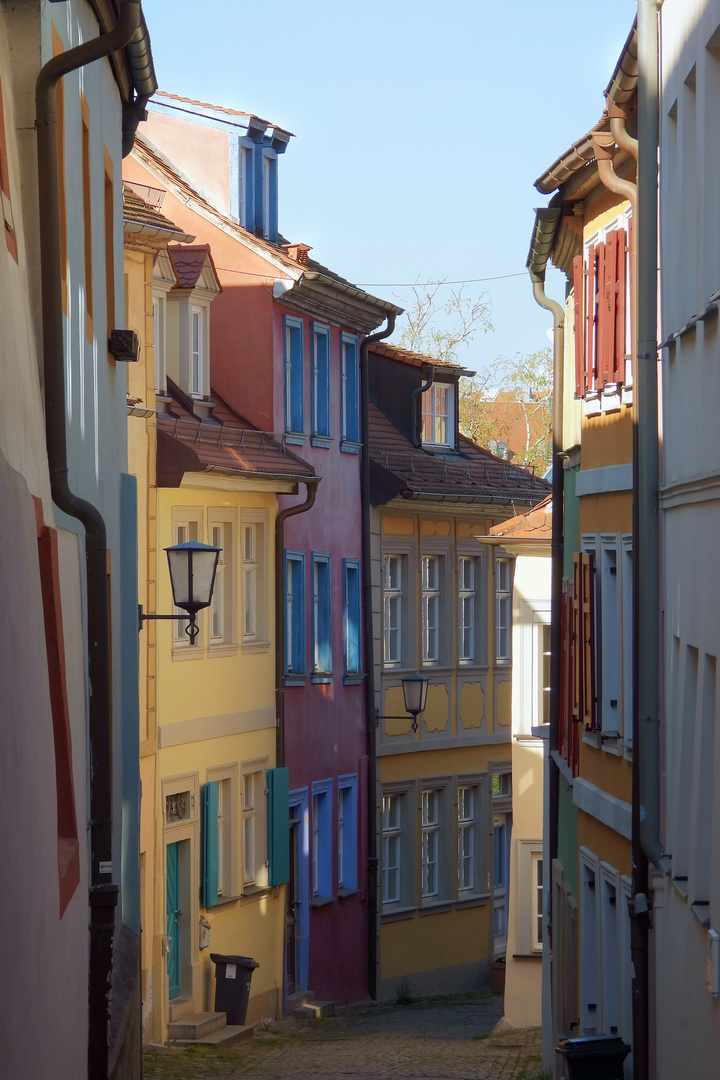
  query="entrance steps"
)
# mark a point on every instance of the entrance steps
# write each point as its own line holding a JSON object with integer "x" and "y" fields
{"x": 303, "y": 1005}
{"x": 207, "y": 1029}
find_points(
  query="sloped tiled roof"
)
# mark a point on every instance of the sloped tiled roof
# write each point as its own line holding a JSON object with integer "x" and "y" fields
{"x": 188, "y": 262}
{"x": 137, "y": 211}
{"x": 536, "y": 524}
{"x": 405, "y": 356}
{"x": 229, "y": 446}
{"x": 399, "y": 468}
{"x": 218, "y": 108}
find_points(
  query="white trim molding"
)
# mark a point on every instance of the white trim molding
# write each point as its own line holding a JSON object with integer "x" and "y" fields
{"x": 611, "y": 811}
{"x": 605, "y": 480}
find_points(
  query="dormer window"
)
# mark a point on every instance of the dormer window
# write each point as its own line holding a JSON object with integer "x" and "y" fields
{"x": 188, "y": 323}
{"x": 254, "y": 189}
{"x": 197, "y": 352}
{"x": 438, "y": 415}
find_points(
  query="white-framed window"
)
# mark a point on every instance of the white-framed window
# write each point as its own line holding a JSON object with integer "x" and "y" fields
{"x": 160, "y": 340}
{"x": 226, "y": 778}
{"x": 544, "y": 666}
{"x": 430, "y": 850}
{"x": 503, "y": 610}
{"x": 393, "y": 583}
{"x": 393, "y": 812}
{"x": 466, "y": 608}
{"x": 466, "y": 837}
{"x": 627, "y": 638}
{"x": 431, "y": 608}
{"x": 254, "y": 823}
{"x": 187, "y": 526}
{"x": 438, "y": 415}
{"x": 536, "y": 938}
{"x": 196, "y": 359}
{"x": 254, "y": 531}
{"x": 472, "y": 831}
{"x": 609, "y": 670}
{"x": 221, "y": 533}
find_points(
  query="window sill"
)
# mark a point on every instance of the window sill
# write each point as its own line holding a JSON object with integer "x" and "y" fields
{"x": 295, "y": 439}
{"x": 440, "y": 447}
{"x": 353, "y": 679}
{"x": 701, "y": 911}
{"x": 295, "y": 680}
{"x": 350, "y": 448}
{"x": 255, "y": 646}
{"x": 592, "y": 738}
{"x": 255, "y": 892}
{"x": 322, "y": 677}
{"x": 189, "y": 652}
{"x": 344, "y": 893}
{"x": 323, "y": 441}
{"x": 321, "y": 901}
{"x": 222, "y": 650}
{"x": 472, "y": 900}
{"x": 397, "y": 914}
{"x": 434, "y": 907}
{"x": 223, "y": 902}
{"x": 681, "y": 886}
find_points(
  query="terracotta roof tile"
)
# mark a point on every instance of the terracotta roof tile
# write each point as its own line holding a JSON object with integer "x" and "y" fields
{"x": 230, "y": 446}
{"x": 137, "y": 210}
{"x": 188, "y": 261}
{"x": 472, "y": 472}
{"x": 405, "y": 356}
{"x": 536, "y": 524}
{"x": 218, "y": 108}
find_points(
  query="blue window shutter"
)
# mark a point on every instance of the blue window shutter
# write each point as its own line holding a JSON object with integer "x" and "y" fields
{"x": 351, "y": 390}
{"x": 294, "y": 384}
{"x": 321, "y": 381}
{"x": 279, "y": 826}
{"x": 352, "y": 617}
{"x": 347, "y": 790}
{"x": 322, "y": 616}
{"x": 295, "y": 642}
{"x": 210, "y": 844}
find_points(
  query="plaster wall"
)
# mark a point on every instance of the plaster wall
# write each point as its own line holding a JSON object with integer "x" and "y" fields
{"x": 198, "y": 150}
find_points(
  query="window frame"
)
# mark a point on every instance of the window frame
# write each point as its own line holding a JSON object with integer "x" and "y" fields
{"x": 321, "y": 434}
{"x": 226, "y": 777}
{"x": 294, "y": 369}
{"x": 347, "y": 835}
{"x": 202, "y": 311}
{"x": 269, "y": 210}
{"x": 352, "y": 615}
{"x": 254, "y": 818}
{"x": 350, "y": 429}
{"x": 405, "y": 831}
{"x": 480, "y": 886}
{"x": 189, "y": 517}
{"x": 503, "y": 595}
{"x": 321, "y": 800}
{"x": 295, "y": 631}
{"x": 433, "y": 415}
{"x": 431, "y": 602}
{"x": 529, "y": 852}
{"x": 444, "y": 829}
{"x": 391, "y": 595}
{"x": 322, "y": 651}
{"x": 225, "y": 580}
{"x": 260, "y": 641}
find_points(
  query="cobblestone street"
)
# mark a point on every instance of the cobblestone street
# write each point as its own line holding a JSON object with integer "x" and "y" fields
{"x": 429, "y": 1040}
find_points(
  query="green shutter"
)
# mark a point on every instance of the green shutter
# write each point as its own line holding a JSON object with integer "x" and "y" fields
{"x": 279, "y": 825}
{"x": 210, "y": 844}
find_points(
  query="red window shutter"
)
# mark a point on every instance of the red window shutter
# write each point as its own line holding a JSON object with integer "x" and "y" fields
{"x": 579, "y": 283}
{"x": 608, "y": 304}
{"x": 588, "y": 639}
{"x": 600, "y": 320}
{"x": 620, "y": 310}
{"x": 573, "y": 719}
{"x": 591, "y": 321}
{"x": 629, "y": 344}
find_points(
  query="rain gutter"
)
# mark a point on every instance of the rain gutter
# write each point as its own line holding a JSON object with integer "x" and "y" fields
{"x": 103, "y": 891}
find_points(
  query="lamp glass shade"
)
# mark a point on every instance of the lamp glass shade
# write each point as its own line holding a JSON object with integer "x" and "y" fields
{"x": 415, "y": 688}
{"x": 192, "y": 574}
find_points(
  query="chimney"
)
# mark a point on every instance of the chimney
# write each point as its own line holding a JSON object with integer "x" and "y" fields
{"x": 298, "y": 252}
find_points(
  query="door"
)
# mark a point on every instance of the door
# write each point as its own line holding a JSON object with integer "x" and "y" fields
{"x": 502, "y": 829}
{"x": 298, "y": 958}
{"x": 291, "y": 940}
{"x": 173, "y": 919}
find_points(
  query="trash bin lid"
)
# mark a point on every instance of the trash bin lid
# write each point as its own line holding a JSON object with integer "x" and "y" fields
{"x": 243, "y": 961}
{"x": 586, "y": 1042}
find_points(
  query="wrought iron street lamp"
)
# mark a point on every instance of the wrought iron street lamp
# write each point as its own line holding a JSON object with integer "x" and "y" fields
{"x": 415, "y": 688}
{"x": 192, "y": 577}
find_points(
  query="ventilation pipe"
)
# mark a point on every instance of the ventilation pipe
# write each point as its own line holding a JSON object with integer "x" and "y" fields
{"x": 103, "y": 890}
{"x": 372, "y": 825}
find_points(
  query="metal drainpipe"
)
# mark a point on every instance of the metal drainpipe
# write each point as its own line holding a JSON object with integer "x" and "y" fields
{"x": 280, "y": 637}
{"x": 103, "y": 893}
{"x": 417, "y": 392}
{"x": 556, "y": 563}
{"x": 372, "y": 864}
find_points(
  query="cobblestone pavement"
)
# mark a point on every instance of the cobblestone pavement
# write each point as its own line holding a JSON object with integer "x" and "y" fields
{"x": 429, "y": 1040}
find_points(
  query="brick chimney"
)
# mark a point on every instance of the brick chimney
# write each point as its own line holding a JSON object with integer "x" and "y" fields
{"x": 298, "y": 252}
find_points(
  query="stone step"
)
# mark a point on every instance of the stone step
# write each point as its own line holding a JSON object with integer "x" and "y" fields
{"x": 196, "y": 1026}
{"x": 314, "y": 1010}
{"x": 226, "y": 1036}
{"x": 300, "y": 997}
{"x": 179, "y": 1007}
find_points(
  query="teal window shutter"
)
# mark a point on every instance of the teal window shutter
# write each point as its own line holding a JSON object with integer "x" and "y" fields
{"x": 279, "y": 825}
{"x": 210, "y": 844}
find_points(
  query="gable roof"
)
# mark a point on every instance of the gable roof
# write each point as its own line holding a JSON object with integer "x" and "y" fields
{"x": 162, "y": 97}
{"x": 189, "y": 262}
{"x": 140, "y": 217}
{"x": 405, "y": 356}
{"x": 474, "y": 474}
{"x": 228, "y": 446}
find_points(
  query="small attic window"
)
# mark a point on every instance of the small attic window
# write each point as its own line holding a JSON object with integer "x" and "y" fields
{"x": 438, "y": 415}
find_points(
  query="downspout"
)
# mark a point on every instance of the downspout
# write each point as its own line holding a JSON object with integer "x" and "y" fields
{"x": 280, "y": 635}
{"x": 541, "y": 245}
{"x": 103, "y": 892}
{"x": 371, "y": 737}
{"x": 417, "y": 392}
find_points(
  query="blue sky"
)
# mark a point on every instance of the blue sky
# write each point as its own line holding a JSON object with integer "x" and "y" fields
{"x": 420, "y": 127}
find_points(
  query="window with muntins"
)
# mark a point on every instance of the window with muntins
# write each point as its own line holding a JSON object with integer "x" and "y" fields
{"x": 347, "y": 833}
{"x": 394, "y": 573}
{"x": 254, "y": 824}
{"x": 438, "y": 415}
{"x": 352, "y": 617}
{"x": 159, "y": 310}
{"x": 322, "y": 622}
{"x": 431, "y": 565}
{"x": 185, "y": 531}
{"x": 537, "y": 906}
{"x": 320, "y": 337}
{"x": 294, "y": 379}
{"x": 197, "y": 349}
{"x": 350, "y": 396}
{"x": 391, "y": 848}
{"x": 250, "y": 573}
{"x": 221, "y": 607}
{"x": 466, "y": 838}
{"x": 294, "y": 613}
{"x": 430, "y": 852}
{"x": 466, "y": 608}
{"x": 503, "y": 609}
